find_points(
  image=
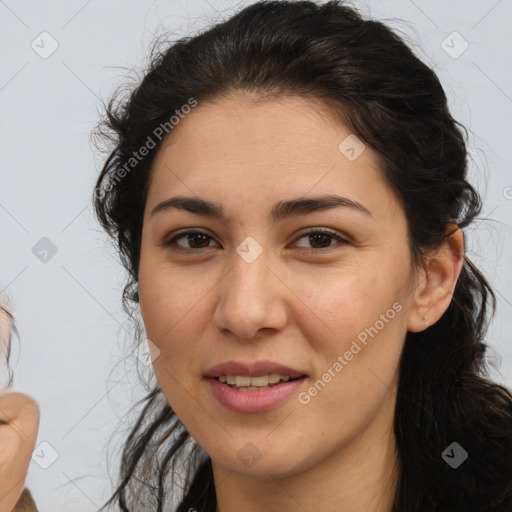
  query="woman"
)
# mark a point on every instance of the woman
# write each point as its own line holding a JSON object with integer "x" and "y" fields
{"x": 288, "y": 193}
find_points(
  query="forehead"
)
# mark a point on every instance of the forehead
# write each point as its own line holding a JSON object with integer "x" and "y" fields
{"x": 241, "y": 123}
{"x": 235, "y": 148}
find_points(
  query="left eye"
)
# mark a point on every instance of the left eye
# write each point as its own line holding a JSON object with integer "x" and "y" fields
{"x": 320, "y": 237}
{"x": 199, "y": 238}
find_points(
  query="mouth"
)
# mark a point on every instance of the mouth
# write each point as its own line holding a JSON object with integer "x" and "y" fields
{"x": 256, "y": 383}
{"x": 254, "y": 387}
{"x": 255, "y": 393}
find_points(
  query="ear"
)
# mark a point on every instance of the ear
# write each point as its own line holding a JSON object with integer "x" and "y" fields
{"x": 437, "y": 281}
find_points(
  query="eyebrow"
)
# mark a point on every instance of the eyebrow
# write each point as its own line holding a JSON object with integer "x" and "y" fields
{"x": 280, "y": 211}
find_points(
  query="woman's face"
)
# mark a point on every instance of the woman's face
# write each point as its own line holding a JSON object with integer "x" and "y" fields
{"x": 252, "y": 287}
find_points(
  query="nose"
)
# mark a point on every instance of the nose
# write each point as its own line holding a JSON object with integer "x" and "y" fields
{"x": 251, "y": 299}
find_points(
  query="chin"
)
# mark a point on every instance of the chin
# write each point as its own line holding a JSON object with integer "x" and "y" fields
{"x": 253, "y": 459}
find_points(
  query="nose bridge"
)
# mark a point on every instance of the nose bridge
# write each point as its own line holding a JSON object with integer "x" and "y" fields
{"x": 250, "y": 270}
{"x": 248, "y": 298}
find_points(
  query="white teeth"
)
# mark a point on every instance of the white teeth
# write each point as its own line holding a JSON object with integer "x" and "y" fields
{"x": 273, "y": 378}
{"x": 260, "y": 381}
{"x": 242, "y": 380}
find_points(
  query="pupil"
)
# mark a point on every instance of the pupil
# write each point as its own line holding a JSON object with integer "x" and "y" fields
{"x": 192, "y": 238}
{"x": 319, "y": 235}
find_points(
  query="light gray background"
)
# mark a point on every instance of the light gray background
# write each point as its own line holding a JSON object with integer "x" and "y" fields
{"x": 72, "y": 328}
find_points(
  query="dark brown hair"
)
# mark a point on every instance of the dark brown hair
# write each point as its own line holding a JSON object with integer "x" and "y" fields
{"x": 366, "y": 74}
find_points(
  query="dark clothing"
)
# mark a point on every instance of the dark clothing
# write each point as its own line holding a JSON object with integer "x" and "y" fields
{"x": 25, "y": 503}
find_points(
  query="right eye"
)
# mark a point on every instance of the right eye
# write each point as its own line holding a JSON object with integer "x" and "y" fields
{"x": 194, "y": 237}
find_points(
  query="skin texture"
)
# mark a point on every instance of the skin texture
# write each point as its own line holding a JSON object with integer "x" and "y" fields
{"x": 291, "y": 305}
{"x": 19, "y": 423}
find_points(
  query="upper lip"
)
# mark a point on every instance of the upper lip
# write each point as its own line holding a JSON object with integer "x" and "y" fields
{"x": 252, "y": 369}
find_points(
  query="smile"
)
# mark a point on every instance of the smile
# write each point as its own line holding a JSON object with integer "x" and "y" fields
{"x": 247, "y": 398}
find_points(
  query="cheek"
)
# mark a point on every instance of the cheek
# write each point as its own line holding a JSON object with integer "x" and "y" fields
{"x": 171, "y": 309}
{"x": 356, "y": 325}
{"x": 172, "y": 304}
{"x": 342, "y": 305}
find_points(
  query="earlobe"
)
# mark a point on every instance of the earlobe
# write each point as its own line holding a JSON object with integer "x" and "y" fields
{"x": 434, "y": 291}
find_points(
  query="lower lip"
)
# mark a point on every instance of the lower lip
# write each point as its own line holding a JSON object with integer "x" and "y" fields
{"x": 254, "y": 401}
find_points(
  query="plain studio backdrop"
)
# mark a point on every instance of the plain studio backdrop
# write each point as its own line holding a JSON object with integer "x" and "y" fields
{"x": 59, "y": 60}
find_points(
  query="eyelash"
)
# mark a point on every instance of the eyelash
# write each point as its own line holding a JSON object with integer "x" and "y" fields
{"x": 171, "y": 242}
